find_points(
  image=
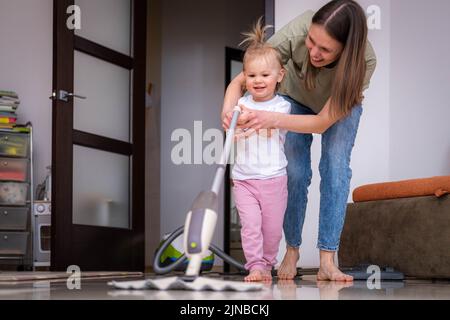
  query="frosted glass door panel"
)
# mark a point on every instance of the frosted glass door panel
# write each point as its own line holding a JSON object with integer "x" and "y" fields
{"x": 106, "y": 22}
{"x": 100, "y": 188}
{"x": 106, "y": 111}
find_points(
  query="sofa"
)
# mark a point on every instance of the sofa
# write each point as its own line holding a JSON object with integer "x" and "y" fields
{"x": 403, "y": 225}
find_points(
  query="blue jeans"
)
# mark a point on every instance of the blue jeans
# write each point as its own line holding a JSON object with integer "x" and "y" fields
{"x": 335, "y": 174}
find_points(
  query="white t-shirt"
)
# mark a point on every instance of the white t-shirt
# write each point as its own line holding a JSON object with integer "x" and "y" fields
{"x": 260, "y": 157}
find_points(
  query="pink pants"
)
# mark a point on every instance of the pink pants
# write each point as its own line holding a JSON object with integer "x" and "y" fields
{"x": 261, "y": 205}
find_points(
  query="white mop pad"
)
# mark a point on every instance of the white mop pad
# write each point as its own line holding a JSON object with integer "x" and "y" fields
{"x": 176, "y": 283}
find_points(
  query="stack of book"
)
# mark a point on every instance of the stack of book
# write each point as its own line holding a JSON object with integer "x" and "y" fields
{"x": 9, "y": 102}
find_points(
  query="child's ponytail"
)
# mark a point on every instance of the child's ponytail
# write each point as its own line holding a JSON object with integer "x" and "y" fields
{"x": 256, "y": 45}
{"x": 256, "y": 37}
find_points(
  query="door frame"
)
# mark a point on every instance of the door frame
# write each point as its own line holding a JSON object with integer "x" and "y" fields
{"x": 231, "y": 54}
{"x": 269, "y": 17}
{"x": 66, "y": 238}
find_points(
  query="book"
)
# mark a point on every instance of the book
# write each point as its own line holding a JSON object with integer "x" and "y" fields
{"x": 9, "y": 99}
{"x": 7, "y": 109}
{"x": 7, "y": 93}
{"x": 14, "y": 128}
{"x": 7, "y": 120}
{"x": 4, "y": 114}
{"x": 8, "y": 103}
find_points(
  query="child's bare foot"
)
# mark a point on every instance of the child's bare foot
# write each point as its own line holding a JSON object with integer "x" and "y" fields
{"x": 259, "y": 275}
{"x": 266, "y": 275}
{"x": 254, "y": 276}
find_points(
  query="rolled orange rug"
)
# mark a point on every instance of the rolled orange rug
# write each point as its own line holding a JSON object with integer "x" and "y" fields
{"x": 438, "y": 186}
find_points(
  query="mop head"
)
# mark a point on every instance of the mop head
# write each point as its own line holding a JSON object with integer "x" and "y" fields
{"x": 177, "y": 283}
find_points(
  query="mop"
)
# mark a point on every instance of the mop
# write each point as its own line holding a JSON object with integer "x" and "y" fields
{"x": 198, "y": 231}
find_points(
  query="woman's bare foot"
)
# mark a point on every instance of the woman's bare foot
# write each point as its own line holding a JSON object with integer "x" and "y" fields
{"x": 288, "y": 289}
{"x": 329, "y": 290}
{"x": 288, "y": 267}
{"x": 328, "y": 270}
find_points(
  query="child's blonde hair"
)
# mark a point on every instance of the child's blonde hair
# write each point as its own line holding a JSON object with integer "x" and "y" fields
{"x": 256, "y": 46}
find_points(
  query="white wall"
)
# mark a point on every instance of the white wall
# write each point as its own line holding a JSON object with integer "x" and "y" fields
{"x": 420, "y": 89}
{"x": 26, "y": 30}
{"x": 194, "y": 37}
{"x": 404, "y": 131}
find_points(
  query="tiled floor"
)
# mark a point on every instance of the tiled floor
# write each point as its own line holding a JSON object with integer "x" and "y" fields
{"x": 303, "y": 289}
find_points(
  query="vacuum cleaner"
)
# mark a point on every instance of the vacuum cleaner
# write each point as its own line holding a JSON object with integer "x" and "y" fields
{"x": 198, "y": 231}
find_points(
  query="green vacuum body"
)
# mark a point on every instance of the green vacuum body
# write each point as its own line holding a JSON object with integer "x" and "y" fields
{"x": 175, "y": 250}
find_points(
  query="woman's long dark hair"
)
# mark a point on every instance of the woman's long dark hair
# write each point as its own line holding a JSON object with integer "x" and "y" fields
{"x": 345, "y": 21}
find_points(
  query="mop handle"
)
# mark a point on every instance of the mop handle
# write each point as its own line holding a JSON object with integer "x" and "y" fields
{"x": 217, "y": 183}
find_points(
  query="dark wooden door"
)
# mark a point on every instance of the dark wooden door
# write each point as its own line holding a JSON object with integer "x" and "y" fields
{"x": 98, "y": 141}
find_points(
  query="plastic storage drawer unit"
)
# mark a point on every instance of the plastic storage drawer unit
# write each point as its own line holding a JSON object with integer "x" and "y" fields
{"x": 14, "y": 169}
{"x": 16, "y": 198}
{"x": 13, "y": 218}
{"x": 13, "y": 193}
{"x": 13, "y": 243}
{"x": 13, "y": 144}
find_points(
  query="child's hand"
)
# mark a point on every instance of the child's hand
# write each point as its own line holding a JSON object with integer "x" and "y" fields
{"x": 265, "y": 132}
{"x": 244, "y": 116}
{"x": 257, "y": 119}
{"x": 238, "y": 133}
{"x": 226, "y": 120}
{"x": 244, "y": 133}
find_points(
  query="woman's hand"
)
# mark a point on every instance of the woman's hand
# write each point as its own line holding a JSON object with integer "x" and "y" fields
{"x": 243, "y": 118}
{"x": 256, "y": 119}
{"x": 250, "y": 121}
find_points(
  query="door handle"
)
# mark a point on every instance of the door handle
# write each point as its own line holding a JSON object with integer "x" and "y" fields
{"x": 64, "y": 96}
{"x": 75, "y": 96}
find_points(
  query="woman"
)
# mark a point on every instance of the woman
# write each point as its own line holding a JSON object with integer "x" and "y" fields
{"x": 329, "y": 63}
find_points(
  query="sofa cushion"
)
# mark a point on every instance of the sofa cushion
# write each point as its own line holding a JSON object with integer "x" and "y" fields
{"x": 437, "y": 186}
